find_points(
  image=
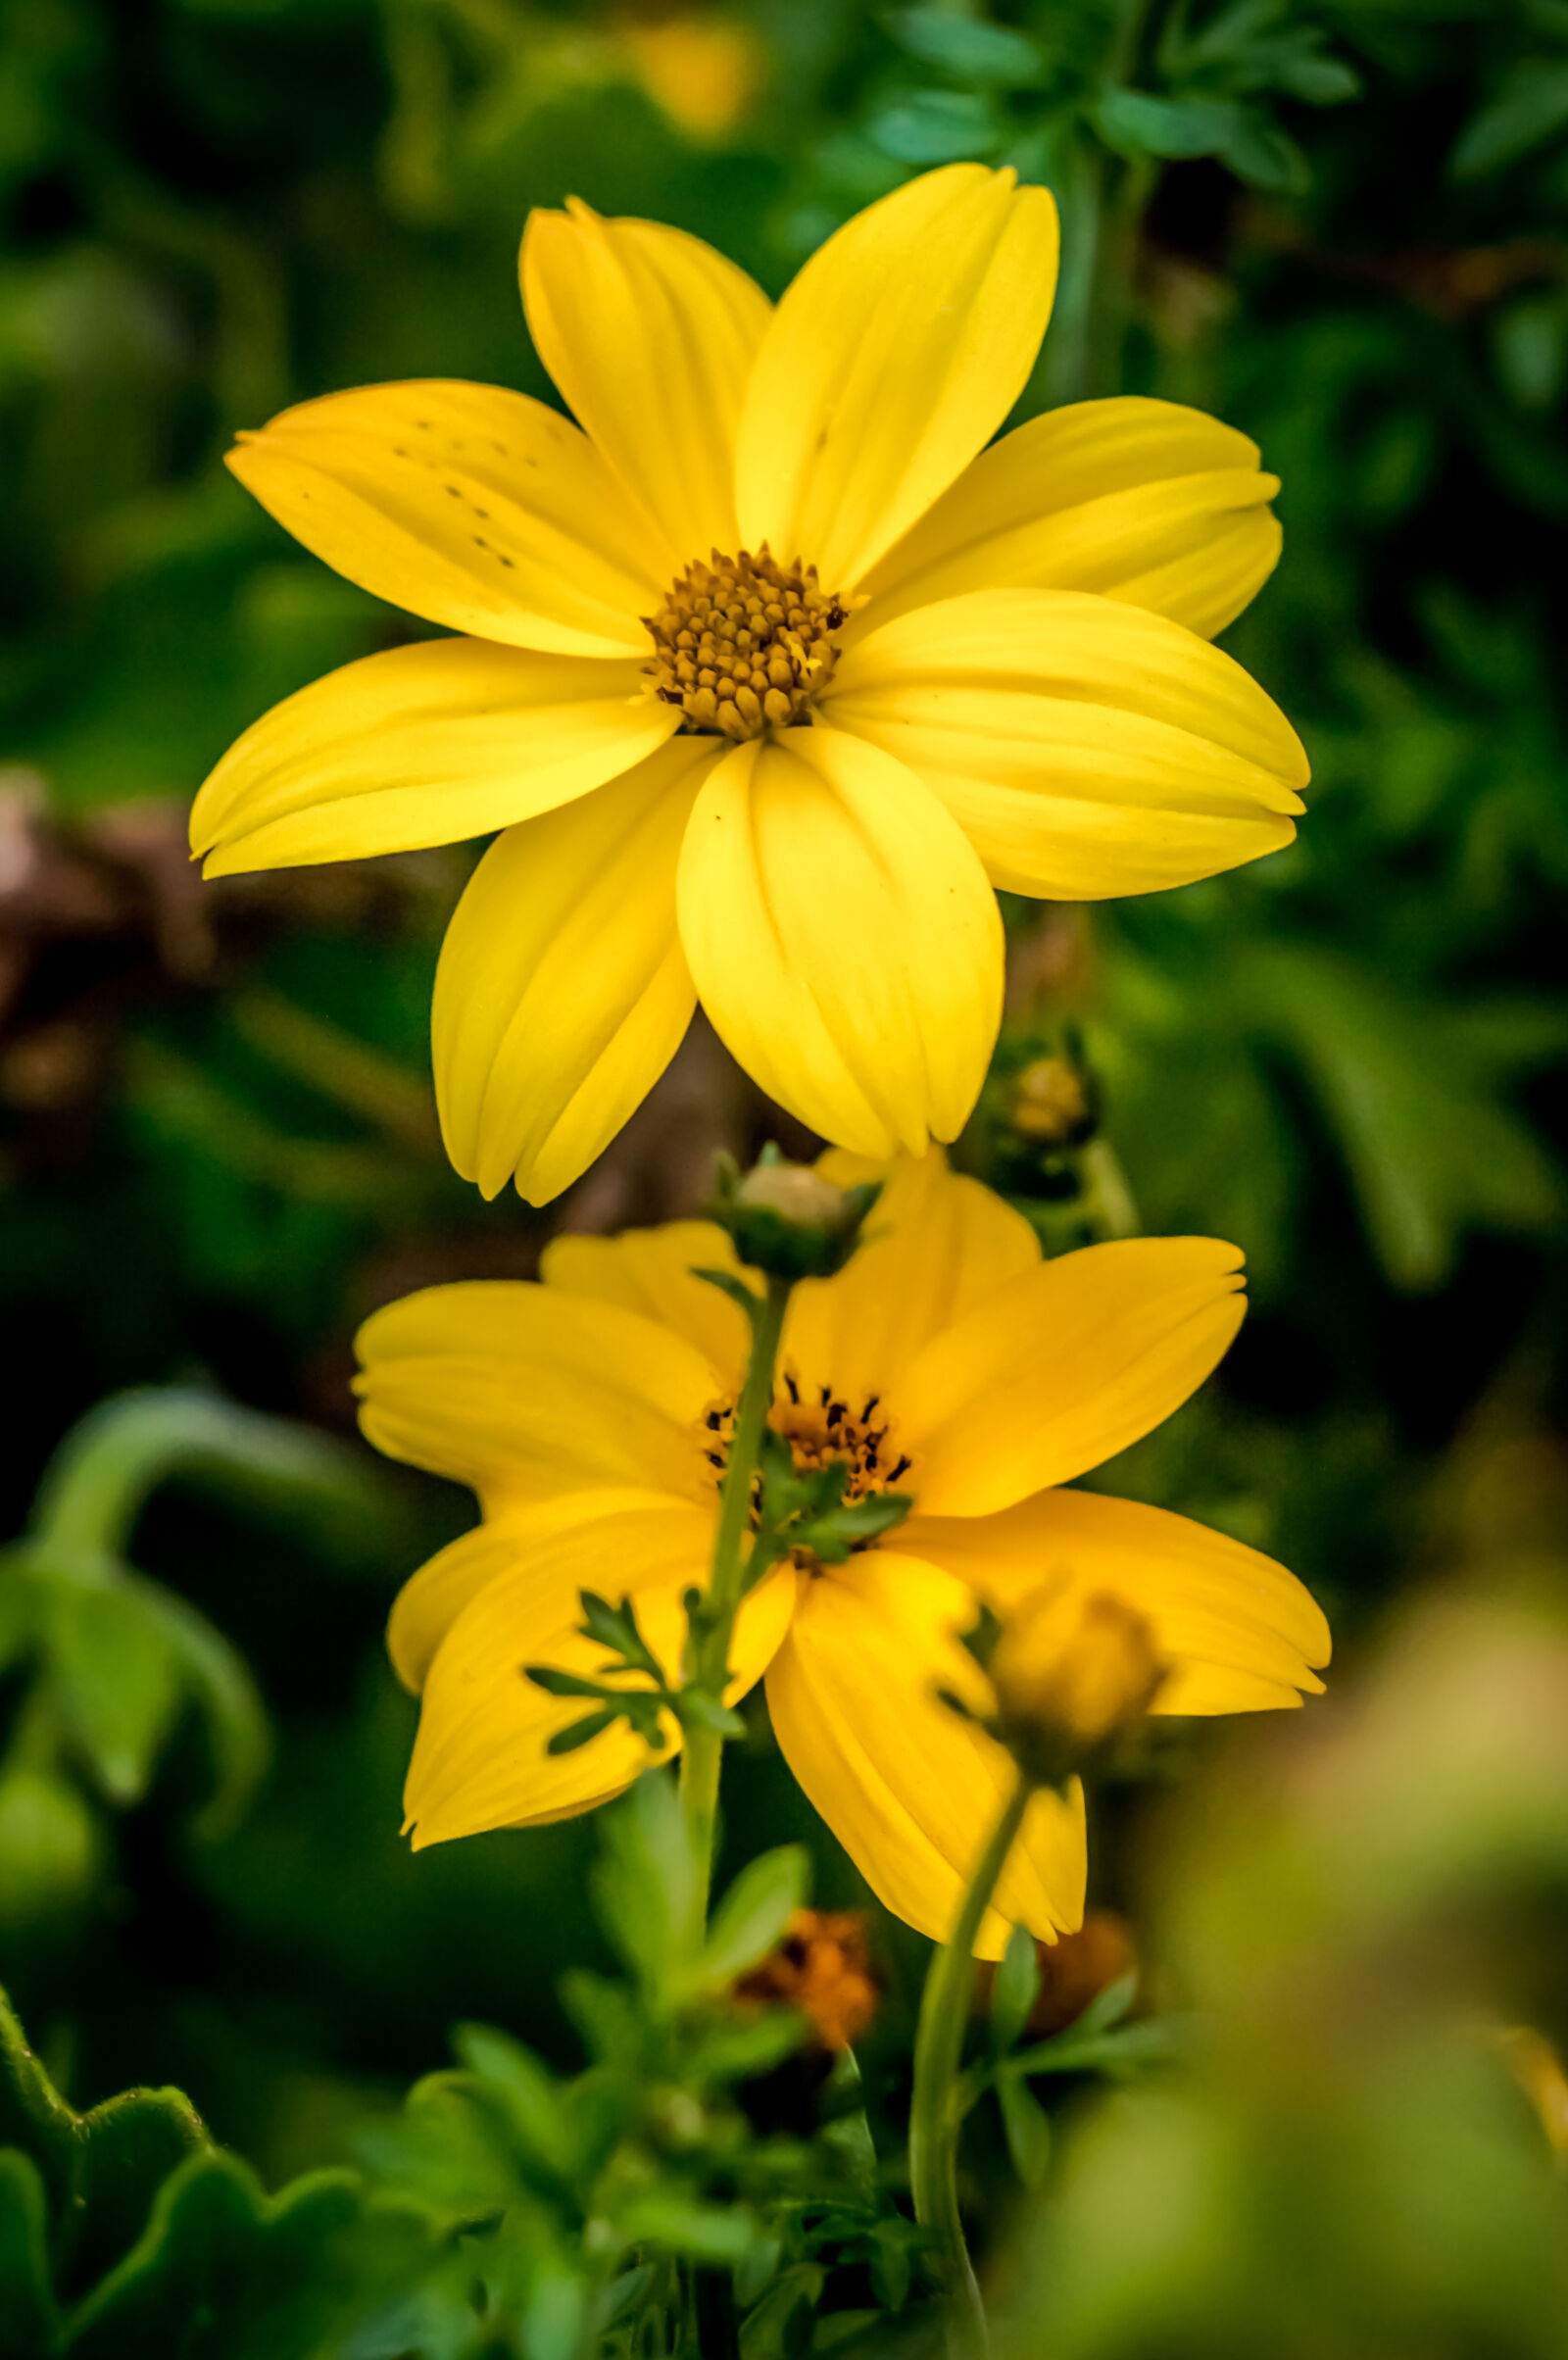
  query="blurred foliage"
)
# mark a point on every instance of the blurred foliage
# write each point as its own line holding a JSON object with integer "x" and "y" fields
{"x": 1341, "y": 224}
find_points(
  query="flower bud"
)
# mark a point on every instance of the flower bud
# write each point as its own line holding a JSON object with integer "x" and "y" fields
{"x": 1054, "y": 1103}
{"x": 52, "y": 1855}
{"x": 1072, "y": 1670}
{"x": 789, "y": 1221}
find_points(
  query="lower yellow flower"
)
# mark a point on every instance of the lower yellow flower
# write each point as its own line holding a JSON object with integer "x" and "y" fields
{"x": 591, "y": 1411}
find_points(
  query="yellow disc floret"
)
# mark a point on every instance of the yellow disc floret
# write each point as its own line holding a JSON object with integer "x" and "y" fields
{"x": 820, "y": 1426}
{"x": 743, "y": 644}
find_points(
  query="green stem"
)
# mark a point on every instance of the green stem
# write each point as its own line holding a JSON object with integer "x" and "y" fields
{"x": 1106, "y": 1197}
{"x": 937, "y": 2112}
{"x": 726, "y": 1587}
{"x": 101, "y": 1477}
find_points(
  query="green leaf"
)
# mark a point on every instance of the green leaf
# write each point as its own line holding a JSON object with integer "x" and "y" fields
{"x": 556, "y": 1683}
{"x": 1135, "y": 122}
{"x": 1107, "y": 2007}
{"x": 742, "y": 2049}
{"x": 29, "y": 2317}
{"x": 1530, "y": 339}
{"x": 1260, "y": 153}
{"x": 967, "y": 48}
{"x": 33, "y": 2116}
{"x": 839, "y": 1530}
{"x": 1153, "y": 2043}
{"x": 581, "y": 1732}
{"x": 127, "y": 2148}
{"x": 752, "y": 2274}
{"x": 1318, "y": 80}
{"x": 936, "y": 126}
{"x": 735, "y": 1288}
{"x": 616, "y": 1628}
{"x": 892, "y": 2262}
{"x": 768, "y": 2330}
{"x": 701, "y": 1711}
{"x": 1027, "y": 2127}
{"x": 119, "y": 1679}
{"x": 221, "y": 1684}
{"x": 838, "y": 2330}
{"x": 606, "y": 2015}
{"x": 643, "y": 1885}
{"x": 1016, "y": 1989}
{"x": 704, "y": 2233}
{"x": 1412, "y": 1091}
{"x": 755, "y": 1911}
{"x": 535, "y": 2101}
{"x": 222, "y": 2271}
{"x": 1530, "y": 106}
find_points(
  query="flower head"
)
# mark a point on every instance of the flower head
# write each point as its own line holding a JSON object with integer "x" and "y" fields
{"x": 769, "y": 670}
{"x": 1072, "y": 1670}
{"x": 947, "y": 1360}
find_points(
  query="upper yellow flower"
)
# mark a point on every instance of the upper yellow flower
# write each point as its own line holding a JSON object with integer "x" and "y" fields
{"x": 591, "y": 1414}
{"x": 772, "y": 669}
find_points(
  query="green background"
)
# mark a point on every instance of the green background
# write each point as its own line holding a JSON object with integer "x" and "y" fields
{"x": 1343, "y": 229}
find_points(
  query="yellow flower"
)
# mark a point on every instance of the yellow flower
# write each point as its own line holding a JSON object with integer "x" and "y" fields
{"x": 590, "y": 1415}
{"x": 770, "y": 669}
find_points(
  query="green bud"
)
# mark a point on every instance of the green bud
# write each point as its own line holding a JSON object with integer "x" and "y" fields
{"x": 51, "y": 1851}
{"x": 1071, "y": 1671}
{"x": 789, "y": 1221}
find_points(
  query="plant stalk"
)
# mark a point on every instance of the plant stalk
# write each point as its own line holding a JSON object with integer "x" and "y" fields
{"x": 726, "y": 1585}
{"x": 937, "y": 2112}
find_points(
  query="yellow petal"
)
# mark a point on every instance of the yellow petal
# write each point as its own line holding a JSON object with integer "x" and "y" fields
{"x": 910, "y": 1789}
{"x": 1140, "y": 499}
{"x": 936, "y": 1246}
{"x": 1084, "y": 746}
{"x": 1238, "y": 1631}
{"x": 562, "y": 992}
{"x": 650, "y": 1270}
{"x": 1069, "y": 1364}
{"x": 524, "y": 1393}
{"x": 842, "y": 939}
{"x": 423, "y": 745}
{"x": 479, "y": 1760}
{"x": 890, "y": 361}
{"x": 432, "y": 1599}
{"x": 475, "y": 507}
{"x": 650, "y": 336}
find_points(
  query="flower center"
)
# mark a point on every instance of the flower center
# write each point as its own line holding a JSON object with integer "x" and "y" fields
{"x": 820, "y": 1426}
{"x": 744, "y": 644}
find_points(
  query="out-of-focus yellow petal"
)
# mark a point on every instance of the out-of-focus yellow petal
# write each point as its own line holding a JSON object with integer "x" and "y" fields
{"x": 470, "y": 506}
{"x": 1238, "y": 1631}
{"x": 650, "y": 1270}
{"x": 1084, "y": 746}
{"x": 910, "y": 1789}
{"x": 890, "y": 361}
{"x": 432, "y": 1599}
{"x": 936, "y": 1246}
{"x": 524, "y": 1392}
{"x": 422, "y": 745}
{"x": 650, "y": 336}
{"x": 1067, "y": 1365}
{"x": 479, "y": 1760}
{"x": 1138, "y": 500}
{"x": 562, "y": 992}
{"x": 842, "y": 939}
